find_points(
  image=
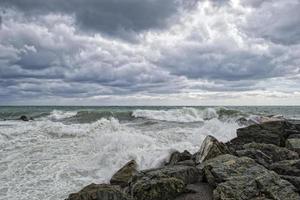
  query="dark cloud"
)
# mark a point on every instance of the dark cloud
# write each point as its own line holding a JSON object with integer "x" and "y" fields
{"x": 107, "y": 16}
{"x": 221, "y": 49}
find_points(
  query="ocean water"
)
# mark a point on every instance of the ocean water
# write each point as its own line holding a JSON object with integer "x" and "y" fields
{"x": 65, "y": 148}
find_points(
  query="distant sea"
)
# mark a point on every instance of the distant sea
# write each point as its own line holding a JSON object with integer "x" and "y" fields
{"x": 66, "y": 148}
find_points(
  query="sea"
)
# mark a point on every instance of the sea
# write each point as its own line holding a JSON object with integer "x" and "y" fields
{"x": 66, "y": 148}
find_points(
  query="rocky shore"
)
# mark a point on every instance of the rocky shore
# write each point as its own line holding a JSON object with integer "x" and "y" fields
{"x": 261, "y": 163}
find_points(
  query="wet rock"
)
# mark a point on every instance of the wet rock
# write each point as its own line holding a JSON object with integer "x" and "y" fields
{"x": 272, "y": 132}
{"x": 188, "y": 174}
{"x": 25, "y": 118}
{"x": 293, "y": 144}
{"x": 257, "y": 155}
{"x": 242, "y": 178}
{"x": 187, "y": 163}
{"x": 199, "y": 191}
{"x": 275, "y": 153}
{"x": 295, "y": 180}
{"x": 210, "y": 148}
{"x": 99, "y": 192}
{"x": 294, "y": 136}
{"x": 123, "y": 175}
{"x": 179, "y": 157}
{"x": 287, "y": 167}
{"x": 156, "y": 188}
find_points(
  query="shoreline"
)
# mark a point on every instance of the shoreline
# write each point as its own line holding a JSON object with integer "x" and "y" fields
{"x": 262, "y": 162}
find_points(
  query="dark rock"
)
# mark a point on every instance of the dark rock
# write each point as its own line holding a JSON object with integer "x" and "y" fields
{"x": 179, "y": 157}
{"x": 257, "y": 155}
{"x": 242, "y": 178}
{"x": 210, "y": 148}
{"x": 188, "y": 174}
{"x": 274, "y": 152}
{"x": 272, "y": 132}
{"x": 295, "y": 180}
{"x": 294, "y": 136}
{"x": 123, "y": 175}
{"x": 156, "y": 188}
{"x": 24, "y": 118}
{"x": 199, "y": 191}
{"x": 163, "y": 183}
{"x": 293, "y": 144}
{"x": 287, "y": 167}
{"x": 99, "y": 192}
{"x": 187, "y": 163}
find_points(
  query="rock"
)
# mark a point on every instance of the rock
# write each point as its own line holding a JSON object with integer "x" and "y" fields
{"x": 293, "y": 144}
{"x": 163, "y": 183}
{"x": 99, "y": 192}
{"x": 188, "y": 174}
{"x": 257, "y": 155}
{"x": 287, "y": 167}
{"x": 210, "y": 148}
{"x": 242, "y": 178}
{"x": 274, "y": 152}
{"x": 24, "y": 118}
{"x": 199, "y": 191}
{"x": 272, "y": 132}
{"x": 179, "y": 157}
{"x": 123, "y": 175}
{"x": 295, "y": 180}
{"x": 294, "y": 136}
{"x": 156, "y": 188}
{"x": 187, "y": 163}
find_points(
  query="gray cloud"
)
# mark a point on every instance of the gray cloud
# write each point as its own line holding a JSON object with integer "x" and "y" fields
{"x": 112, "y": 17}
{"x": 215, "y": 49}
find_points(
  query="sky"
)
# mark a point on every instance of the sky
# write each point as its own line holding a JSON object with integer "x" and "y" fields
{"x": 150, "y": 52}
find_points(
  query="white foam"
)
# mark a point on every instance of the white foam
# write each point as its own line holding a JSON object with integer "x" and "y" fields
{"x": 58, "y": 115}
{"x": 177, "y": 115}
{"x": 48, "y": 160}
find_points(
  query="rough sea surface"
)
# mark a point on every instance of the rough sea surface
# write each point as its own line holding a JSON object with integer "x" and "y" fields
{"x": 66, "y": 148}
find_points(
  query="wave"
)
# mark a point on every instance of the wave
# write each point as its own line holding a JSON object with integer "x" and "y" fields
{"x": 177, "y": 115}
{"x": 58, "y": 115}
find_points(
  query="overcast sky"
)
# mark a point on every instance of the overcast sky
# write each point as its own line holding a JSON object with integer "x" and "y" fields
{"x": 150, "y": 52}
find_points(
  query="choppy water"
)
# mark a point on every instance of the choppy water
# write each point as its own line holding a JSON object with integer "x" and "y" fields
{"x": 66, "y": 148}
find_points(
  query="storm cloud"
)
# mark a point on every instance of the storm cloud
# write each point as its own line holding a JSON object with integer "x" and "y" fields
{"x": 141, "y": 51}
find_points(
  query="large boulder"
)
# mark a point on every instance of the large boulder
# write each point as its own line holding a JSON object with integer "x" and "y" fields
{"x": 257, "y": 155}
{"x": 156, "y": 187}
{"x": 188, "y": 174}
{"x": 287, "y": 167}
{"x": 163, "y": 183}
{"x": 276, "y": 153}
{"x": 242, "y": 178}
{"x": 295, "y": 180}
{"x": 177, "y": 157}
{"x": 99, "y": 192}
{"x": 210, "y": 148}
{"x": 273, "y": 132}
{"x": 293, "y": 144}
{"x": 123, "y": 175}
{"x": 199, "y": 191}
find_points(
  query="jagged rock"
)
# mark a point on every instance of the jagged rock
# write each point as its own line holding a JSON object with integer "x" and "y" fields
{"x": 188, "y": 174}
{"x": 293, "y": 144}
{"x": 25, "y": 118}
{"x": 287, "y": 167}
{"x": 199, "y": 191}
{"x": 275, "y": 153}
{"x": 209, "y": 149}
{"x": 179, "y": 157}
{"x": 156, "y": 188}
{"x": 123, "y": 175}
{"x": 163, "y": 183}
{"x": 242, "y": 178}
{"x": 257, "y": 155}
{"x": 187, "y": 163}
{"x": 295, "y": 180}
{"x": 99, "y": 192}
{"x": 273, "y": 132}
